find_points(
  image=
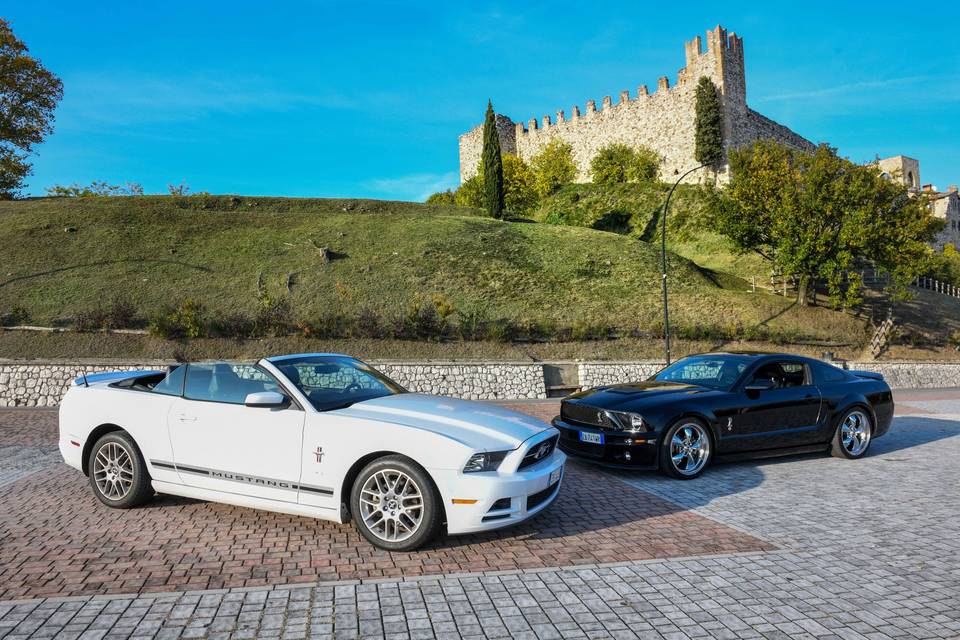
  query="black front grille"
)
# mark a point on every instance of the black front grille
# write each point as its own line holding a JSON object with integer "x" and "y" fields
{"x": 538, "y": 498}
{"x": 576, "y": 413}
{"x": 538, "y": 452}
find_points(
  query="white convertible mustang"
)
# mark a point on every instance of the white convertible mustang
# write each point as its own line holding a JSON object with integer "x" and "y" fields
{"x": 320, "y": 435}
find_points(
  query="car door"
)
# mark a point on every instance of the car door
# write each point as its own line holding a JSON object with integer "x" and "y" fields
{"x": 223, "y": 445}
{"x": 785, "y": 415}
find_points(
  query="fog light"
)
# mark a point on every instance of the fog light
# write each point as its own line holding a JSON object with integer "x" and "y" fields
{"x": 626, "y": 456}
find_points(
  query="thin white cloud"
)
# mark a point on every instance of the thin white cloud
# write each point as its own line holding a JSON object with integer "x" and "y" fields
{"x": 415, "y": 186}
{"x": 844, "y": 89}
{"x": 136, "y": 99}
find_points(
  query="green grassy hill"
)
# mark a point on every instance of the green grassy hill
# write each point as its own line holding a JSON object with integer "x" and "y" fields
{"x": 634, "y": 210}
{"x": 62, "y": 257}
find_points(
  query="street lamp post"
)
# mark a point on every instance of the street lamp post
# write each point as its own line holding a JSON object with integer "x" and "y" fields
{"x": 663, "y": 260}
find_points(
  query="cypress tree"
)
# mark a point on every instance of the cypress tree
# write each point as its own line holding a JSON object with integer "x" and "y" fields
{"x": 709, "y": 125}
{"x": 492, "y": 166}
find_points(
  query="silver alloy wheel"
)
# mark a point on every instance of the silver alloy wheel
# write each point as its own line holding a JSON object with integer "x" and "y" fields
{"x": 855, "y": 432}
{"x": 690, "y": 448}
{"x": 391, "y": 505}
{"x": 113, "y": 470}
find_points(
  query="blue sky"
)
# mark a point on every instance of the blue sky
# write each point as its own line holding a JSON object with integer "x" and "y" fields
{"x": 367, "y": 99}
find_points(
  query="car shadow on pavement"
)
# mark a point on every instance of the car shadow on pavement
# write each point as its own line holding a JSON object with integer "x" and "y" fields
{"x": 600, "y": 517}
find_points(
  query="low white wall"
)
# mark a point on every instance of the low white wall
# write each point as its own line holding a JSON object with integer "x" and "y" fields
{"x": 38, "y": 384}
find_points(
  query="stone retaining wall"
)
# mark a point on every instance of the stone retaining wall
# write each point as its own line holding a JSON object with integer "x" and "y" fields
{"x": 43, "y": 384}
{"x": 37, "y": 384}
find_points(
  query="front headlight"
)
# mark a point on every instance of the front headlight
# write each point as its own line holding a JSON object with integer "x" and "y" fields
{"x": 628, "y": 421}
{"x": 487, "y": 461}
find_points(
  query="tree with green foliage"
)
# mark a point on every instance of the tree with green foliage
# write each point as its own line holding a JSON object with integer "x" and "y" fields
{"x": 493, "y": 196}
{"x": 29, "y": 94}
{"x": 619, "y": 164}
{"x": 818, "y": 216}
{"x": 518, "y": 187}
{"x": 708, "y": 119}
{"x": 553, "y": 167}
{"x": 442, "y": 198}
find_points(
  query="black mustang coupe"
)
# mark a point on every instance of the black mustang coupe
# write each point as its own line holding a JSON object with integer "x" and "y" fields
{"x": 726, "y": 405}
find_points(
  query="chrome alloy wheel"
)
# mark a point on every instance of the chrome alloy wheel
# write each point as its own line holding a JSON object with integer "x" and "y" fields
{"x": 855, "y": 432}
{"x": 391, "y": 505}
{"x": 113, "y": 471}
{"x": 690, "y": 448}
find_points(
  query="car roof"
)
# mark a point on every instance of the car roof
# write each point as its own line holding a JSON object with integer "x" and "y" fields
{"x": 754, "y": 355}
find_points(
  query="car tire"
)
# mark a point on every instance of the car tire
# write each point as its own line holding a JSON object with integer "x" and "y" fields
{"x": 854, "y": 434}
{"x": 686, "y": 449}
{"x": 117, "y": 472}
{"x": 396, "y": 521}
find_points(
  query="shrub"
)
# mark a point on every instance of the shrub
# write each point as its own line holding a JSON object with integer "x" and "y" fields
{"x": 442, "y": 198}
{"x": 519, "y": 194}
{"x": 645, "y": 166}
{"x": 184, "y": 321}
{"x": 470, "y": 193}
{"x": 95, "y": 188}
{"x": 471, "y": 321}
{"x": 618, "y": 163}
{"x": 552, "y": 168}
{"x": 273, "y": 316}
{"x": 610, "y": 164}
{"x": 121, "y": 314}
{"x": 15, "y": 317}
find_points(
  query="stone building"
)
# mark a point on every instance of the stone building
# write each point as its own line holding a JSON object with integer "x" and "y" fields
{"x": 902, "y": 169}
{"x": 662, "y": 120}
{"x": 946, "y": 206}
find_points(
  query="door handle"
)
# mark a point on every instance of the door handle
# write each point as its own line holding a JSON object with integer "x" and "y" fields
{"x": 185, "y": 418}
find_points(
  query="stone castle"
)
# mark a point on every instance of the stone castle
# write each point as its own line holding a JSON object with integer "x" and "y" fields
{"x": 662, "y": 121}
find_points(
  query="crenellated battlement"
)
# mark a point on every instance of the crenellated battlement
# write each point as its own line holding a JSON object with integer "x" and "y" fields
{"x": 662, "y": 120}
{"x": 724, "y": 53}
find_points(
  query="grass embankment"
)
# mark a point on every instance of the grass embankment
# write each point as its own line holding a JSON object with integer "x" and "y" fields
{"x": 65, "y": 257}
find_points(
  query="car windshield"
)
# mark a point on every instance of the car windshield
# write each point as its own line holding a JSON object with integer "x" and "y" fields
{"x": 335, "y": 382}
{"x": 713, "y": 371}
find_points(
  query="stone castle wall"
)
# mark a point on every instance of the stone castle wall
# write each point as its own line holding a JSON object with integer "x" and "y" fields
{"x": 662, "y": 120}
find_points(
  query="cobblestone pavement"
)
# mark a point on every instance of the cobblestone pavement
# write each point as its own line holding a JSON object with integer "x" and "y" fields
{"x": 864, "y": 549}
{"x": 56, "y": 539}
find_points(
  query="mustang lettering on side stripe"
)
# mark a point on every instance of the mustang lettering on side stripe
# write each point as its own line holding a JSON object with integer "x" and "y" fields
{"x": 241, "y": 477}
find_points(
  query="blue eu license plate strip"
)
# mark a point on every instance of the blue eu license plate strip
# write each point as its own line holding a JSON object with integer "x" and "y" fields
{"x": 592, "y": 438}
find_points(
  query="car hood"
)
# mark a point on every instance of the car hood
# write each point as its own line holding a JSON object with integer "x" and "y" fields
{"x": 637, "y": 395}
{"x": 480, "y": 425}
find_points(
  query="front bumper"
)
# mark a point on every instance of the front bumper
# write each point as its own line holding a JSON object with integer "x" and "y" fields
{"x": 619, "y": 448}
{"x": 502, "y": 499}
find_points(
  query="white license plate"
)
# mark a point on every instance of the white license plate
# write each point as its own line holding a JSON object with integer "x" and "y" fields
{"x": 555, "y": 476}
{"x": 592, "y": 438}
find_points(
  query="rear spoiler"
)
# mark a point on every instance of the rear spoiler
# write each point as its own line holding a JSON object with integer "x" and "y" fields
{"x": 871, "y": 375}
{"x": 85, "y": 380}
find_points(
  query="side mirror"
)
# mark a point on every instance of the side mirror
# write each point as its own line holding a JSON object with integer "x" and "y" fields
{"x": 760, "y": 384}
{"x": 266, "y": 399}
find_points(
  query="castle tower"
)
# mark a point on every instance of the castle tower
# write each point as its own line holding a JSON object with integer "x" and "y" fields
{"x": 663, "y": 121}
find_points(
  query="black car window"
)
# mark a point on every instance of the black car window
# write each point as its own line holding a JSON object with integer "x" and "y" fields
{"x": 785, "y": 374}
{"x": 828, "y": 373}
{"x": 229, "y": 383}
